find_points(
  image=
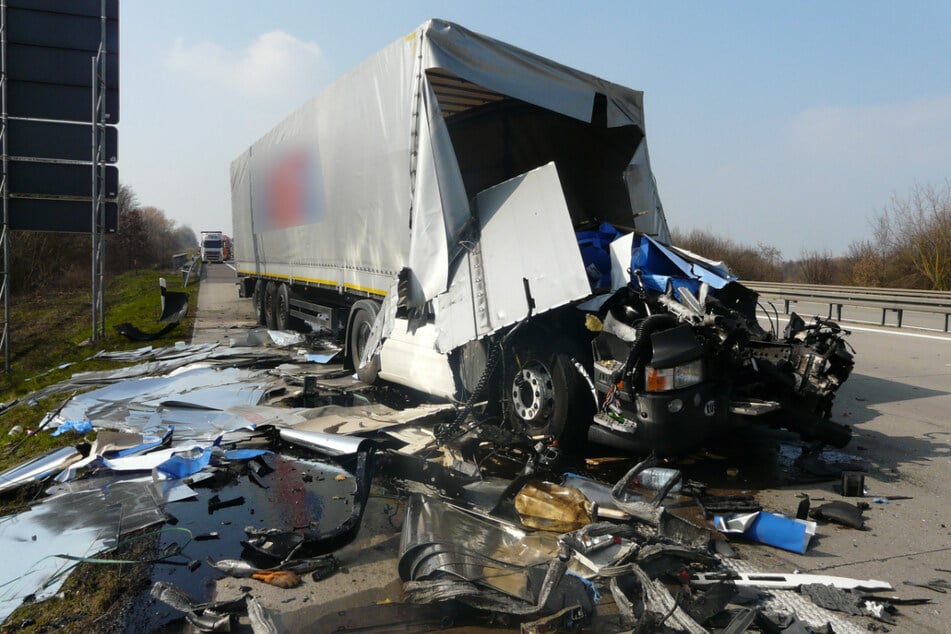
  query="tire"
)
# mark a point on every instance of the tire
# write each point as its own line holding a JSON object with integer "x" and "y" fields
{"x": 360, "y": 328}
{"x": 282, "y": 307}
{"x": 269, "y": 315}
{"x": 257, "y": 296}
{"x": 546, "y": 395}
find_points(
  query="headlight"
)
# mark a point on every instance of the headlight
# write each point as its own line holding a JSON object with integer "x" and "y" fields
{"x": 680, "y": 376}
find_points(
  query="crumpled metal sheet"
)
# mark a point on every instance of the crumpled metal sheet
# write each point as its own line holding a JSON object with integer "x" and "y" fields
{"x": 33, "y": 541}
{"x": 129, "y": 404}
{"x": 40, "y": 467}
{"x": 140, "y": 499}
{"x": 439, "y": 539}
{"x": 330, "y": 444}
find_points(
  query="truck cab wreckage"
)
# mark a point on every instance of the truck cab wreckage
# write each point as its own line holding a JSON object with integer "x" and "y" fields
{"x": 528, "y": 268}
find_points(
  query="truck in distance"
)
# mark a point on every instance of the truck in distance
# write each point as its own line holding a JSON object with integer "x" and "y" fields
{"x": 212, "y": 246}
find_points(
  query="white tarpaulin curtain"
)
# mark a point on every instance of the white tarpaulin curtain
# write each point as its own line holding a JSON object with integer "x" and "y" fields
{"x": 331, "y": 195}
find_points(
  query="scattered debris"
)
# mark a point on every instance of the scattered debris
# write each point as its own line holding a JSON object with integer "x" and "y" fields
{"x": 491, "y": 520}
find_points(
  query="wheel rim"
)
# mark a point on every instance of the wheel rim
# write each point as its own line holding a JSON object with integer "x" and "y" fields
{"x": 533, "y": 394}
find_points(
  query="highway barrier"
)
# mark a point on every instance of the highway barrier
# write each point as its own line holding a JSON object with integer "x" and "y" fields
{"x": 896, "y": 300}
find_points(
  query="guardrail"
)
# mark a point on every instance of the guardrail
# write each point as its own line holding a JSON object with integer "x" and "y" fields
{"x": 897, "y": 300}
{"x": 191, "y": 269}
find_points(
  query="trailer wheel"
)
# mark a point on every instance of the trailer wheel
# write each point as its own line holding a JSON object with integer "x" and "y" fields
{"x": 546, "y": 395}
{"x": 363, "y": 318}
{"x": 258, "y": 298}
{"x": 282, "y": 307}
{"x": 269, "y": 314}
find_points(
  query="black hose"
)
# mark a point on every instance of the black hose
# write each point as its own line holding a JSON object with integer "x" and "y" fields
{"x": 635, "y": 359}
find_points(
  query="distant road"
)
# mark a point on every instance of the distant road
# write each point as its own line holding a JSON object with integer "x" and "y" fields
{"x": 221, "y": 314}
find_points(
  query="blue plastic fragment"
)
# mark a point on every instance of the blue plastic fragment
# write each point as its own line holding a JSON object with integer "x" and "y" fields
{"x": 78, "y": 426}
{"x": 244, "y": 454}
{"x": 186, "y": 463}
{"x": 661, "y": 267}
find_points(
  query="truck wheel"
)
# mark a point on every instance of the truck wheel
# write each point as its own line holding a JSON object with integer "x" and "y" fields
{"x": 282, "y": 307}
{"x": 360, "y": 329}
{"x": 258, "y": 297}
{"x": 546, "y": 394}
{"x": 269, "y": 314}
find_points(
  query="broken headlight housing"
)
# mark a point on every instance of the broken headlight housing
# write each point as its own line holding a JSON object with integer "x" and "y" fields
{"x": 675, "y": 378}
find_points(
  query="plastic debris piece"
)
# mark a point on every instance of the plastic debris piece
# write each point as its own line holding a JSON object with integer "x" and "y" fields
{"x": 185, "y": 463}
{"x": 770, "y": 529}
{"x": 841, "y": 513}
{"x": 78, "y": 426}
{"x": 244, "y": 454}
{"x": 548, "y": 506}
{"x": 278, "y": 578}
{"x": 853, "y": 483}
{"x": 787, "y": 581}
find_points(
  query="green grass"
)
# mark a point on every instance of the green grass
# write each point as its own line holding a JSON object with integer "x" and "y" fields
{"x": 49, "y": 329}
{"x": 52, "y": 328}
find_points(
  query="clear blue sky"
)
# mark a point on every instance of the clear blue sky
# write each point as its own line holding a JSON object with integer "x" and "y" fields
{"x": 786, "y": 123}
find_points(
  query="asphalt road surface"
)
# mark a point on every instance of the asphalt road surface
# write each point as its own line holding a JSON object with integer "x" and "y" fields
{"x": 897, "y": 401}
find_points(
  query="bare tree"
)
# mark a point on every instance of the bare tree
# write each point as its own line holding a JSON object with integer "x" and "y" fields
{"x": 817, "y": 267}
{"x": 914, "y": 234}
{"x": 763, "y": 263}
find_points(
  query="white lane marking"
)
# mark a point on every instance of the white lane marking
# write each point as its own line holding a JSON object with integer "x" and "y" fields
{"x": 901, "y": 333}
{"x": 230, "y": 266}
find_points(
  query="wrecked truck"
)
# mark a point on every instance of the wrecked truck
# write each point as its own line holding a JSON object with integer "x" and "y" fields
{"x": 481, "y": 224}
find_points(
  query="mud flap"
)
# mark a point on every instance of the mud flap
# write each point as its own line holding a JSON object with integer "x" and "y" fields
{"x": 174, "y": 304}
{"x": 174, "y": 307}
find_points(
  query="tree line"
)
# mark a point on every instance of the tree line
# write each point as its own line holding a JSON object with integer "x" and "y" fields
{"x": 146, "y": 238}
{"x": 910, "y": 247}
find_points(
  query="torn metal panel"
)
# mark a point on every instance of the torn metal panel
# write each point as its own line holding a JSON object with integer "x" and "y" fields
{"x": 493, "y": 295}
{"x": 409, "y": 356}
{"x": 42, "y": 467}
